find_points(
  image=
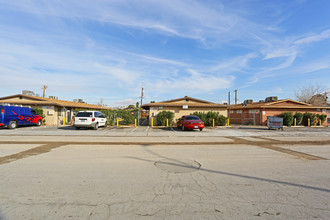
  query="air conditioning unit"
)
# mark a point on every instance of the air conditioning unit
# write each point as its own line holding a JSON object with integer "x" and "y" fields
{"x": 271, "y": 99}
{"x": 53, "y": 97}
{"x": 28, "y": 92}
{"x": 248, "y": 101}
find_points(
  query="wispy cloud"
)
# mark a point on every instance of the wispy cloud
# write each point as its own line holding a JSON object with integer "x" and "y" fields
{"x": 169, "y": 48}
{"x": 313, "y": 38}
{"x": 194, "y": 83}
{"x": 166, "y": 17}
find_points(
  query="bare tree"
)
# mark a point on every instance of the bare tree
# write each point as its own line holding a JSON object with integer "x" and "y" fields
{"x": 312, "y": 94}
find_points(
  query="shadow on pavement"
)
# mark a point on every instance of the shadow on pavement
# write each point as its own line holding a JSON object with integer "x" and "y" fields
{"x": 66, "y": 128}
{"x": 253, "y": 128}
{"x": 177, "y": 129}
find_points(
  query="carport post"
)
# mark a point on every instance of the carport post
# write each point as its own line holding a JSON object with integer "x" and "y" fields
{"x": 295, "y": 122}
{"x": 213, "y": 122}
{"x": 167, "y": 122}
{"x": 64, "y": 115}
{"x": 227, "y": 121}
{"x": 152, "y": 122}
{"x": 117, "y": 122}
{"x": 309, "y": 122}
{"x": 138, "y": 118}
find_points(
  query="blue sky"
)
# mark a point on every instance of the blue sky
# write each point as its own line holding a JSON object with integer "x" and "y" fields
{"x": 110, "y": 49}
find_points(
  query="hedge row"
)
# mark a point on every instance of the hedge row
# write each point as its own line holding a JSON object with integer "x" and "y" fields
{"x": 301, "y": 119}
{"x": 207, "y": 118}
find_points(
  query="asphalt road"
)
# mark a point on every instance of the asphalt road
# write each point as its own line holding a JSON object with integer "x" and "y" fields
{"x": 252, "y": 175}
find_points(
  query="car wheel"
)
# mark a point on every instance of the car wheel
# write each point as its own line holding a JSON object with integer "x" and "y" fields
{"x": 106, "y": 124}
{"x": 182, "y": 127}
{"x": 201, "y": 129}
{"x": 39, "y": 123}
{"x": 12, "y": 125}
{"x": 77, "y": 128}
{"x": 96, "y": 126}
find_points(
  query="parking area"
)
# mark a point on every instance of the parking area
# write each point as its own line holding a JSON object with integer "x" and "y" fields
{"x": 147, "y": 131}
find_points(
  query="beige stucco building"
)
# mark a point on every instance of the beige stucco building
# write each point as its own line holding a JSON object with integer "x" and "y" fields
{"x": 183, "y": 106}
{"x": 57, "y": 112}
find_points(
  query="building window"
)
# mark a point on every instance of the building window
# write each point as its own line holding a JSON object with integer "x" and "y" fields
{"x": 253, "y": 111}
{"x": 239, "y": 111}
{"x": 231, "y": 111}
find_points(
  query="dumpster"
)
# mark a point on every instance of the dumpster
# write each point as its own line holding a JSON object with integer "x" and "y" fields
{"x": 275, "y": 122}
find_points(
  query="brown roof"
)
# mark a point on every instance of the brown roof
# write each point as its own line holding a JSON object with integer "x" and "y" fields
{"x": 176, "y": 103}
{"x": 285, "y": 103}
{"x": 33, "y": 100}
{"x": 187, "y": 98}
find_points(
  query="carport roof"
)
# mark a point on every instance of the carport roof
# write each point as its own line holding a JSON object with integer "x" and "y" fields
{"x": 34, "y": 100}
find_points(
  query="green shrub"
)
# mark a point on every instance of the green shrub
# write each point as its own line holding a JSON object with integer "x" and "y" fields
{"x": 162, "y": 116}
{"x": 311, "y": 117}
{"x": 207, "y": 118}
{"x": 128, "y": 117}
{"x": 202, "y": 116}
{"x": 287, "y": 118}
{"x": 40, "y": 112}
{"x": 299, "y": 117}
{"x": 322, "y": 118}
{"x": 221, "y": 121}
{"x": 125, "y": 114}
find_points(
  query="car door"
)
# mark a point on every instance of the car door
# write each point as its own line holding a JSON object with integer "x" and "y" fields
{"x": 20, "y": 113}
{"x": 104, "y": 119}
{"x": 100, "y": 118}
{"x": 28, "y": 116}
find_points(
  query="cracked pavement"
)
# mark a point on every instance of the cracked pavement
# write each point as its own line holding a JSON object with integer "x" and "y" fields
{"x": 238, "y": 178}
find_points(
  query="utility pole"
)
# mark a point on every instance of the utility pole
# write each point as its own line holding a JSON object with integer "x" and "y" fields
{"x": 141, "y": 97}
{"x": 236, "y": 97}
{"x": 140, "y": 112}
{"x": 44, "y": 87}
{"x": 228, "y": 98}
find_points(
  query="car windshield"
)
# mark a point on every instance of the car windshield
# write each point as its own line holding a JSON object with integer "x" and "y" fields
{"x": 192, "y": 118}
{"x": 84, "y": 114}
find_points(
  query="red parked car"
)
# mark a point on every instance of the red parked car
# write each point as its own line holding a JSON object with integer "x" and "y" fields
{"x": 190, "y": 122}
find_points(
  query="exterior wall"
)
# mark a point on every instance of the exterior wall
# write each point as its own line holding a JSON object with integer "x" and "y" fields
{"x": 261, "y": 117}
{"x": 179, "y": 112}
{"x": 50, "y": 115}
{"x": 245, "y": 117}
{"x": 64, "y": 113}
